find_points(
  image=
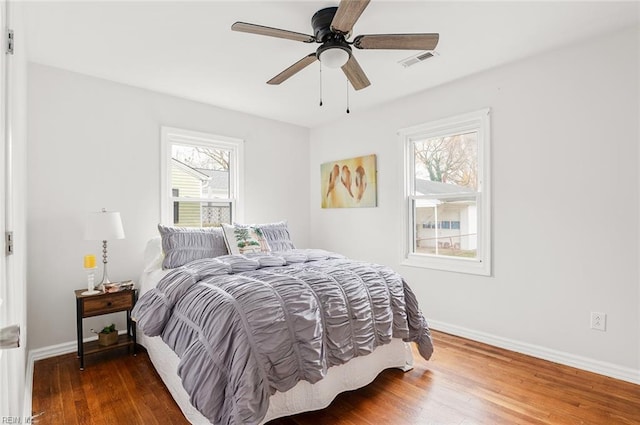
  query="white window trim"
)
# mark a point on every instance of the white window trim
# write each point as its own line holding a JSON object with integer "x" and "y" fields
{"x": 171, "y": 135}
{"x": 480, "y": 120}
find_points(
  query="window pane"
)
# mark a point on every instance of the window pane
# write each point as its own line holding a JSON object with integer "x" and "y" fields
{"x": 446, "y": 227}
{"x": 200, "y": 172}
{"x": 200, "y": 214}
{"x": 446, "y": 164}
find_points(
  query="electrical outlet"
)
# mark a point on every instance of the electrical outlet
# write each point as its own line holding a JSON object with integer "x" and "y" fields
{"x": 598, "y": 321}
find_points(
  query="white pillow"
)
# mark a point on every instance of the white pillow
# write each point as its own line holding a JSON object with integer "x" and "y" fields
{"x": 153, "y": 255}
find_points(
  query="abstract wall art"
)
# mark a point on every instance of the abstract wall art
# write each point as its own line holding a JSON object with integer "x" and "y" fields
{"x": 349, "y": 183}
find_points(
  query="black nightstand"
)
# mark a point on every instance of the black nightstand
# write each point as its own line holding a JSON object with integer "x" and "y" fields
{"x": 96, "y": 305}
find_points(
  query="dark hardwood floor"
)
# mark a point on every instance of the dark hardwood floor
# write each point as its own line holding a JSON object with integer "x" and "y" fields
{"x": 465, "y": 383}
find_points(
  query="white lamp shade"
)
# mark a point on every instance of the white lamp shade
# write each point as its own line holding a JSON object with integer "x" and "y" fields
{"x": 334, "y": 58}
{"x": 104, "y": 226}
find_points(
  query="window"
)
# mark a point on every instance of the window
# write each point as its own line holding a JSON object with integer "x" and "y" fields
{"x": 201, "y": 178}
{"x": 447, "y": 194}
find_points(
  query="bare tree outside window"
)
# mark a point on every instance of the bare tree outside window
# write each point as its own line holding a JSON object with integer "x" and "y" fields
{"x": 449, "y": 159}
{"x": 218, "y": 159}
{"x": 203, "y": 158}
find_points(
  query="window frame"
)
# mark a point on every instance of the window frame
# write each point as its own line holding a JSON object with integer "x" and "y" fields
{"x": 171, "y": 136}
{"x": 474, "y": 121}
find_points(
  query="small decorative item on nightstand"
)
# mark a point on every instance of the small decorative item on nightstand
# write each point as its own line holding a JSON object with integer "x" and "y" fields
{"x": 118, "y": 286}
{"x": 90, "y": 267}
{"x": 108, "y": 336}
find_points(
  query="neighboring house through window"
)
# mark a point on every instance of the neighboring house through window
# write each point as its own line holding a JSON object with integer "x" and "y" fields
{"x": 447, "y": 194}
{"x": 201, "y": 178}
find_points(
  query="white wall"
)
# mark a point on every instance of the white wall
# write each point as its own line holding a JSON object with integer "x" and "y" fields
{"x": 94, "y": 143}
{"x": 565, "y": 200}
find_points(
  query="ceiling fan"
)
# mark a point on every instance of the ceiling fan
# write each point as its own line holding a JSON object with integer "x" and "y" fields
{"x": 331, "y": 28}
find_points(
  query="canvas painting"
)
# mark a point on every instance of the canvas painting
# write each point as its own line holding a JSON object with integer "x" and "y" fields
{"x": 349, "y": 183}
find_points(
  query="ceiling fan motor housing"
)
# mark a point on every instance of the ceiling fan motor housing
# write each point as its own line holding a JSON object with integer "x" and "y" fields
{"x": 321, "y": 23}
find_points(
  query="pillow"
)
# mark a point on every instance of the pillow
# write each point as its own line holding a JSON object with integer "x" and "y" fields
{"x": 277, "y": 235}
{"x": 153, "y": 255}
{"x": 241, "y": 239}
{"x": 182, "y": 245}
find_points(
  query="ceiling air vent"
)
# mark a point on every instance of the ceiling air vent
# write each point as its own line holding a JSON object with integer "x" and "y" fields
{"x": 420, "y": 57}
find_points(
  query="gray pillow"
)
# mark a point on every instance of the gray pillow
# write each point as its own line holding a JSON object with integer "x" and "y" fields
{"x": 277, "y": 236}
{"x": 181, "y": 245}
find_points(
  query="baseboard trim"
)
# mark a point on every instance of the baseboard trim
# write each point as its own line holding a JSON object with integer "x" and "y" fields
{"x": 567, "y": 359}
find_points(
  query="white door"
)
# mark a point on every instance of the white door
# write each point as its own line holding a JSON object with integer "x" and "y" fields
{"x": 5, "y": 370}
{"x": 12, "y": 201}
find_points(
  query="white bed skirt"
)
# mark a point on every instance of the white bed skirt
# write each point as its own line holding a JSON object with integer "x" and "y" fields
{"x": 304, "y": 396}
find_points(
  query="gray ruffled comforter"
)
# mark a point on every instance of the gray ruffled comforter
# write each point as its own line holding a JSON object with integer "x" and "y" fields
{"x": 247, "y": 326}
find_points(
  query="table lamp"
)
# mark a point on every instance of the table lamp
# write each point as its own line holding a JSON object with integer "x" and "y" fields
{"x": 103, "y": 226}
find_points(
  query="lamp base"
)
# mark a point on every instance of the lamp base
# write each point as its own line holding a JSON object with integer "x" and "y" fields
{"x": 91, "y": 292}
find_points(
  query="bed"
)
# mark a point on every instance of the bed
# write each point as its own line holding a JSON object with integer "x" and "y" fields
{"x": 306, "y": 369}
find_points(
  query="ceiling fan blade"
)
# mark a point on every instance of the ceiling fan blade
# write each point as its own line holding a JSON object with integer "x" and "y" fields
{"x": 355, "y": 74}
{"x": 272, "y": 32}
{"x": 293, "y": 69}
{"x": 347, "y": 14}
{"x": 397, "y": 41}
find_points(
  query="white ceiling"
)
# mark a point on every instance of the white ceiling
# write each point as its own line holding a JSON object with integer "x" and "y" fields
{"x": 187, "y": 49}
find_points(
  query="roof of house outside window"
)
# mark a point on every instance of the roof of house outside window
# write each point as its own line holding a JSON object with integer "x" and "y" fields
{"x": 428, "y": 187}
{"x": 196, "y": 173}
{"x": 218, "y": 179}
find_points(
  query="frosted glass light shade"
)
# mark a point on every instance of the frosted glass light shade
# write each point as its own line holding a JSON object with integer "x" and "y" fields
{"x": 103, "y": 226}
{"x": 334, "y": 58}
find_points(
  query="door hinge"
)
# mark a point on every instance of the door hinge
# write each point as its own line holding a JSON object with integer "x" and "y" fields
{"x": 9, "y": 50}
{"x": 8, "y": 243}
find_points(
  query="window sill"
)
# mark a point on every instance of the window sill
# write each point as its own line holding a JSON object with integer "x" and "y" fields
{"x": 459, "y": 265}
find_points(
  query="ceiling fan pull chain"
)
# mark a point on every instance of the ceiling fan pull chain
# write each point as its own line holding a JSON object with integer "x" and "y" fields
{"x": 348, "y": 97}
{"x": 320, "y": 83}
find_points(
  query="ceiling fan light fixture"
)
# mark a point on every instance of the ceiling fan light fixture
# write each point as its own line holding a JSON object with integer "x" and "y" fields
{"x": 334, "y": 57}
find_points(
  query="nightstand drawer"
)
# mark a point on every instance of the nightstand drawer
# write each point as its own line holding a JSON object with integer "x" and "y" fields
{"x": 108, "y": 303}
